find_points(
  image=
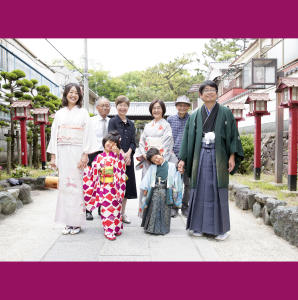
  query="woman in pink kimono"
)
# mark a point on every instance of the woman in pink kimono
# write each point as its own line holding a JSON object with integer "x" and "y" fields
{"x": 157, "y": 134}
{"x": 72, "y": 139}
{"x": 104, "y": 185}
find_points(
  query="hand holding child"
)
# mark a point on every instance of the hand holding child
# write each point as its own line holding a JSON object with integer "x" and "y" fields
{"x": 53, "y": 162}
{"x": 83, "y": 162}
{"x": 181, "y": 166}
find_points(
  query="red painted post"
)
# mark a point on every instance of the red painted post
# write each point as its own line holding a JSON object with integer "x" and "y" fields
{"x": 257, "y": 150}
{"x": 292, "y": 152}
{"x": 43, "y": 145}
{"x": 24, "y": 142}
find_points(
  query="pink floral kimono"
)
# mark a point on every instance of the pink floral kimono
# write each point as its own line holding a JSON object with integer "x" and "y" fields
{"x": 104, "y": 187}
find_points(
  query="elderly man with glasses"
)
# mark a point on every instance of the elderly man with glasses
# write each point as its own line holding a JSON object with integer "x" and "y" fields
{"x": 211, "y": 150}
{"x": 177, "y": 123}
{"x": 100, "y": 123}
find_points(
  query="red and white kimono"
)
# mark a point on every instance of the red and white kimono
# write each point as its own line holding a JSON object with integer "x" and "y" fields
{"x": 101, "y": 189}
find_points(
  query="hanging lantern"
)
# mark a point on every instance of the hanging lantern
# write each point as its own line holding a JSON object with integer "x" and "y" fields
{"x": 259, "y": 73}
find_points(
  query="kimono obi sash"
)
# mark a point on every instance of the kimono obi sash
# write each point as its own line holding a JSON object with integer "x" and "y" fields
{"x": 70, "y": 135}
{"x": 107, "y": 175}
{"x": 154, "y": 142}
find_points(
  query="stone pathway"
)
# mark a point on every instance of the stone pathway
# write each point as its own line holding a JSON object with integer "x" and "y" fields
{"x": 31, "y": 235}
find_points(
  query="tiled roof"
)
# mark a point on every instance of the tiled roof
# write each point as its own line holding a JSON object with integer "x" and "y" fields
{"x": 22, "y": 103}
{"x": 235, "y": 105}
{"x": 137, "y": 109}
{"x": 287, "y": 82}
{"x": 42, "y": 110}
{"x": 257, "y": 97}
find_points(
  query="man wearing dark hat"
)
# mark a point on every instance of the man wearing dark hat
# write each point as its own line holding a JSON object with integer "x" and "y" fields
{"x": 177, "y": 123}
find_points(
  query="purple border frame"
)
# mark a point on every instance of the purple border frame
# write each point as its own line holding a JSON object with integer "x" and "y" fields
{"x": 150, "y": 19}
{"x": 149, "y": 280}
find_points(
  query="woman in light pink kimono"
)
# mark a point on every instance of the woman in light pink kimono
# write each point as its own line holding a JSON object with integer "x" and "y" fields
{"x": 72, "y": 139}
{"x": 157, "y": 134}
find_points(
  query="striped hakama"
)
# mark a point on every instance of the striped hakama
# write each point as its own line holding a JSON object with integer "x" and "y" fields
{"x": 208, "y": 206}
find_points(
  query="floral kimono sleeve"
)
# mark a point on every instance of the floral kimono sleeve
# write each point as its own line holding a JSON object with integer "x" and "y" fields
{"x": 90, "y": 181}
{"x": 142, "y": 143}
{"x": 167, "y": 141}
{"x": 146, "y": 181}
{"x": 52, "y": 147}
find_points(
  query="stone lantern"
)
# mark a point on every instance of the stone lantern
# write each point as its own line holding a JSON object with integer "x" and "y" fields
{"x": 288, "y": 87}
{"x": 41, "y": 118}
{"x": 257, "y": 108}
{"x": 21, "y": 112}
{"x": 237, "y": 111}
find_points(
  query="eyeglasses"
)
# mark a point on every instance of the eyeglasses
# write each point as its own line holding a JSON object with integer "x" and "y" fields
{"x": 209, "y": 91}
{"x": 104, "y": 106}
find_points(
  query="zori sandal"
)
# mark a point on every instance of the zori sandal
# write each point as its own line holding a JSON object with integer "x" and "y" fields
{"x": 110, "y": 236}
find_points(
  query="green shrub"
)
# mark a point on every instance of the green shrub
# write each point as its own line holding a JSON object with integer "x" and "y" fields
{"x": 248, "y": 149}
{"x": 20, "y": 171}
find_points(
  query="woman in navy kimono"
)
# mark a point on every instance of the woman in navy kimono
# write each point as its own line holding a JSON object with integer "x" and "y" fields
{"x": 126, "y": 129}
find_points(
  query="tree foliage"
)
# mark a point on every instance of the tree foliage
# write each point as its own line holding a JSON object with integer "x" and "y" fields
{"x": 165, "y": 81}
{"x": 168, "y": 81}
{"x": 248, "y": 149}
{"x": 13, "y": 88}
{"x": 17, "y": 87}
{"x": 220, "y": 50}
{"x": 41, "y": 97}
{"x": 224, "y": 49}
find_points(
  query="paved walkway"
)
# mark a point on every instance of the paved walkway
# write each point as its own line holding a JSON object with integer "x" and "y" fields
{"x": 31, "y": 235}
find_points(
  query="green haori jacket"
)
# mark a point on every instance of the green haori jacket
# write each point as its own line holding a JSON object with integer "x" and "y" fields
{"x": 227, "y": 141}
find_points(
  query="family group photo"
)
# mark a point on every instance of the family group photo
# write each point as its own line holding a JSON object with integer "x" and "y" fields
{"x": 165, "y": 150}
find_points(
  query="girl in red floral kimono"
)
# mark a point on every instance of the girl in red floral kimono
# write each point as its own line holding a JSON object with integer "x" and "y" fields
{"x": 104, "y": 185}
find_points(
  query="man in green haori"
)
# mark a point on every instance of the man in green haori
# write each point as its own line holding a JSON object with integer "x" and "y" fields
{"x": 210, "y": 150}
